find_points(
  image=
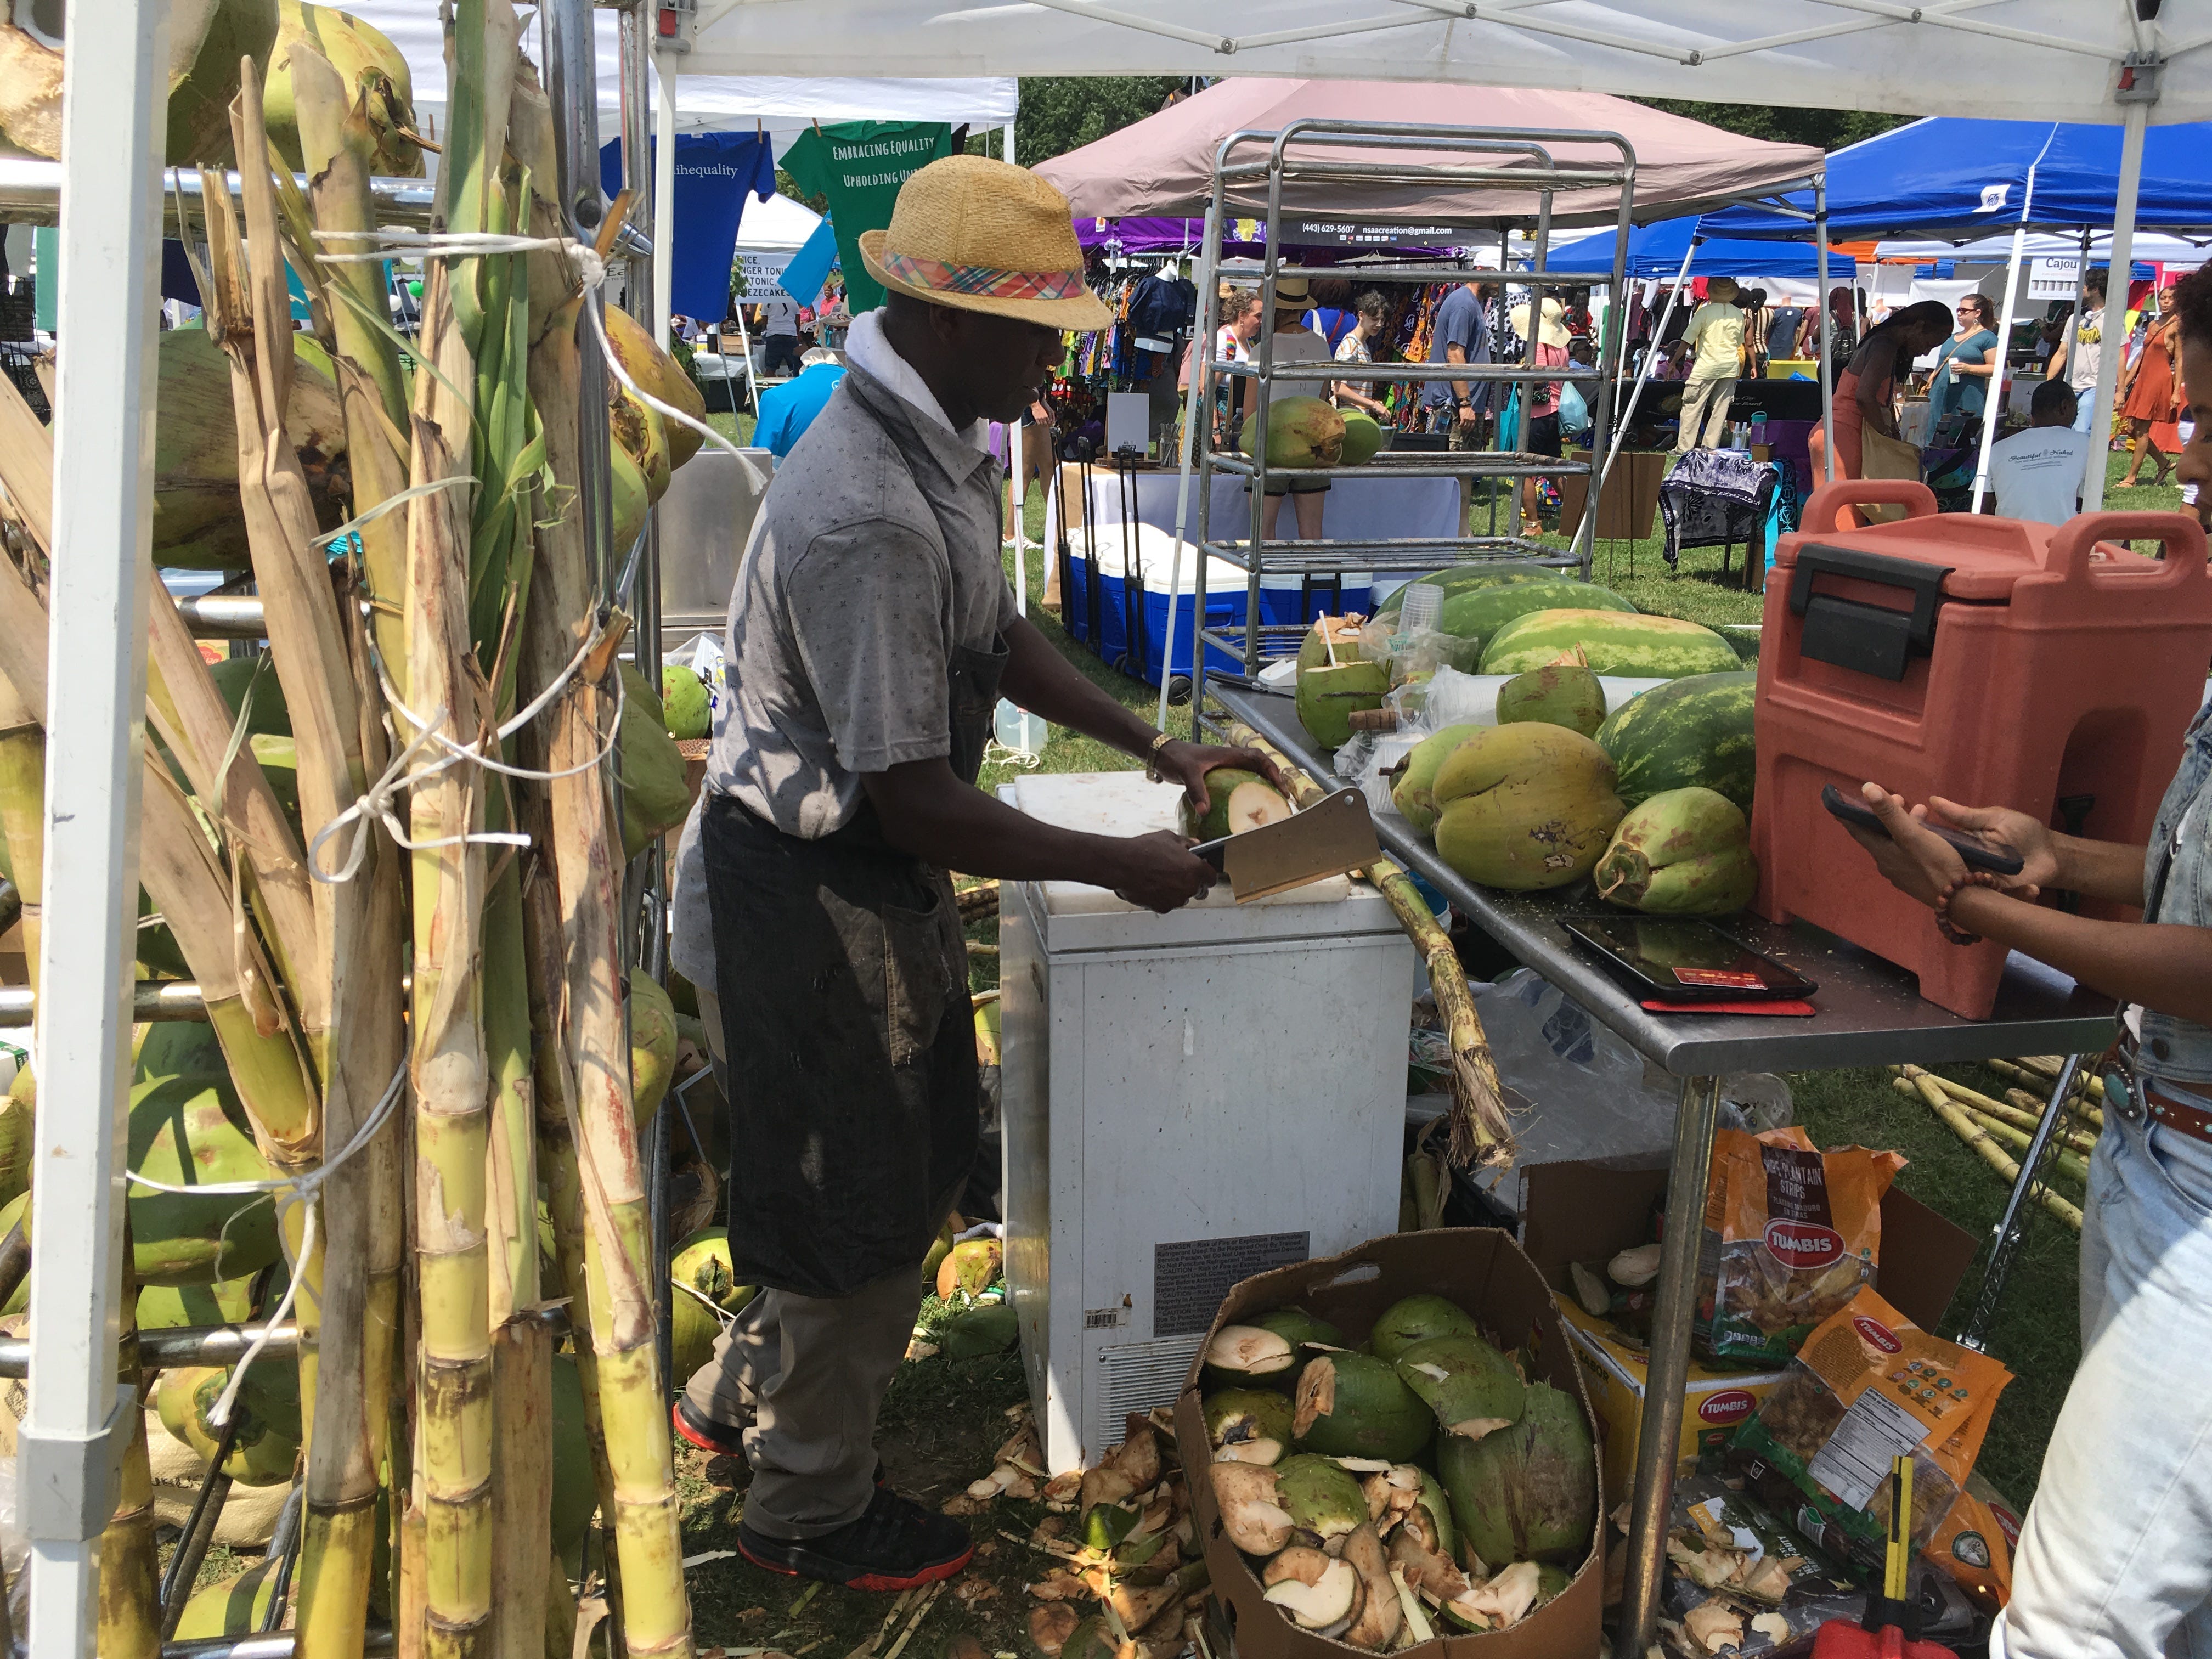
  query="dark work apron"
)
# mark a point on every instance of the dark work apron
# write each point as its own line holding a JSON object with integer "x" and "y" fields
{"x": 843, "y": 974}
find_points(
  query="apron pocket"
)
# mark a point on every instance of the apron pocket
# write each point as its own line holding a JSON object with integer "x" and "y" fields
{"x": 919, "y": 947}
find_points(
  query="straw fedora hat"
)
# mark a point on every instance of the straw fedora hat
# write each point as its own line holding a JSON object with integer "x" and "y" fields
{"x": 1292, "y": 293}
{"x": 977, "y": 235}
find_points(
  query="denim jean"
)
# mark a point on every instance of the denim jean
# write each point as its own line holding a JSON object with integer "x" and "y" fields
{"x": 2115, "y": 1556}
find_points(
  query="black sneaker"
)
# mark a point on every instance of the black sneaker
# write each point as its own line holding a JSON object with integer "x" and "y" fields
{"x": 896, "y": 1546}
{"x": 723, "y": 1439}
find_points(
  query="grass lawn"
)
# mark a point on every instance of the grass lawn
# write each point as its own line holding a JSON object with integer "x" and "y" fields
{"x": 943, "y": 1418}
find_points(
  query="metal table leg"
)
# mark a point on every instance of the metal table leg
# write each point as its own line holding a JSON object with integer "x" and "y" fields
{"x": 1660, "y": 1428}
{"x": 2020, "y": 1207}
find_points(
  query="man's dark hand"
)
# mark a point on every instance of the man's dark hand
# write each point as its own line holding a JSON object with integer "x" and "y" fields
{"x": 1188, "y": 763}
{"x": 1159, "y": 871}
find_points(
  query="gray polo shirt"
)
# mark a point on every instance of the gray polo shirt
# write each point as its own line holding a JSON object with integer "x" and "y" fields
{"x": 876, "y": 553}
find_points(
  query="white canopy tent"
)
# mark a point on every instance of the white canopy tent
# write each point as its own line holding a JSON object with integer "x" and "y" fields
{"x": 2067, "y": 60}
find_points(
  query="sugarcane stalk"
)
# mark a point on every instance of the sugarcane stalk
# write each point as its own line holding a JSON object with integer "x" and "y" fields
{"x": 2044, "y": 1070}
{"x": 1481, "y": 1133}
{"x": 2004, "y": 1131}
{"x": 448, "y": 1063}
{"x": 2026, "y": 1114}
{"x": 2080, "y": 1102}
{"x": 1955, "y": 1118}
{"x": 620, "y": 1289}
{"x": 130, "y": 1615}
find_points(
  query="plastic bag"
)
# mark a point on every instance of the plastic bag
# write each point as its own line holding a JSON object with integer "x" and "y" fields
{"x": 1790, "y": 1234}
{"x": 1455, "y": 697}
{"x": 1720, "y": 1544}
{"x": 1868, "y": 1386}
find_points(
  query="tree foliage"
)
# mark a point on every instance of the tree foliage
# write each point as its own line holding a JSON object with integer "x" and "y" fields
{"x": 1059, "y": 114}
{"x": 1829, "y": 129}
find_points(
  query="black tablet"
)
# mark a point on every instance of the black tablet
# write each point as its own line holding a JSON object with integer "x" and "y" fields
{"x": 1687, "y": 958}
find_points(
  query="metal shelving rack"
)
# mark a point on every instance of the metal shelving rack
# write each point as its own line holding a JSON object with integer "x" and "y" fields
{"x": 1518, "y": 160}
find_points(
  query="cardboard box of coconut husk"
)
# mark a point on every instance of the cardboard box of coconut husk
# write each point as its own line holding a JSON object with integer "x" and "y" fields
{"x": 1484, "y": 1272}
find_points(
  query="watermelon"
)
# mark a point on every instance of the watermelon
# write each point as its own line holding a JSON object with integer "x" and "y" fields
{"x": 1693, "y": 733}
{"x": 1466, "y": 578}
{"x": 1474, "y": 614}
{"x": 1610, "y": 643}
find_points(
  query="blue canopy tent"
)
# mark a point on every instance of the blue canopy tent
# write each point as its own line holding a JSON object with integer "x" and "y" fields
{"x": 1656, "y": 249}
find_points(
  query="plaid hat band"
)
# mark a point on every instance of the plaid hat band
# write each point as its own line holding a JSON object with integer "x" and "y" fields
{"x": 988, "y": 281}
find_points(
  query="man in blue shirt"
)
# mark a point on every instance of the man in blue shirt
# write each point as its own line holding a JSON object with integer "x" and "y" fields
{"x": 1460, "y": 334}
{"x": 786, "y": 410}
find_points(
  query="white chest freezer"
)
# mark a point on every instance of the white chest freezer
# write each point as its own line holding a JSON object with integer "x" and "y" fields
{"x": 1187, "y": 1100}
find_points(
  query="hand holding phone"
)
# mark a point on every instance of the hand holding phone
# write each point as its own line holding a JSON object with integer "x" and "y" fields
{"x": 1975, "y": 854}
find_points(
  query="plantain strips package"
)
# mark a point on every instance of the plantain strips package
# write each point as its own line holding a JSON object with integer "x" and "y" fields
{"x": 1792, "y": 1235}
{"x": 1868, "y": 1387}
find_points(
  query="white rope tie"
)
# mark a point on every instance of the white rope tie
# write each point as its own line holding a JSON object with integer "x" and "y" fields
{"x": 288, "y": 1192}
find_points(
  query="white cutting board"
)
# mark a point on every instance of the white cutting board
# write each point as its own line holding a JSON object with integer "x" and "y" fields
{"x": 1130, "y": 804}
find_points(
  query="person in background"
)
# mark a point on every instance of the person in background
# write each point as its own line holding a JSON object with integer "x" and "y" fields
{"x": 1866, "y": 396}
{"x": 787, "y": 410}
{"x": 779, "y": 335}
{"x": 1674, "y": 362}
{"x": 1289, "y": 341}
{"x": 2080, "y": 352}
{"x": 1357, "y": 347}
{"x": 2110, "y": 1562}
{"x": 1752, "y": 303}
{"x": 1232, "y": 342}
{"x": 1963, "y": 367}
{"x": 1716, "y": 338}
{"x": 1540, "y": 431}
{"x": 2150, "y": 397}
{"x": 1843, "y": 329}
{"x": 1461, "y": 334}
{"x": 1577, "y": 316}
{"x": 1785, "y": 326}
{"x": 2036, "y": 474}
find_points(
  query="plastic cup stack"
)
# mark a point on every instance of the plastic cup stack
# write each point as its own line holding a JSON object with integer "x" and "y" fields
{"x": 1421, "y": 608}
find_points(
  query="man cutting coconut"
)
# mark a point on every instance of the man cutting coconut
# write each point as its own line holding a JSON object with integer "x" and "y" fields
{"x": 872, "y": 632}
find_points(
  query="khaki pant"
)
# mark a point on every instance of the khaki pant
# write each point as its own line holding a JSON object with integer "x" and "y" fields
{"x": 805, "y": 1375}
{"x": 1705, "y": 412}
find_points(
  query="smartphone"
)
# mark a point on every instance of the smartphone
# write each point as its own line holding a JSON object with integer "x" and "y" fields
{"x": 1977, "y": 855}
{"x": 1686, "y": 958}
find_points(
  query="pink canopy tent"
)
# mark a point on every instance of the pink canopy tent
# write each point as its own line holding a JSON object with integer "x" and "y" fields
{"x": 1162, "y": 165}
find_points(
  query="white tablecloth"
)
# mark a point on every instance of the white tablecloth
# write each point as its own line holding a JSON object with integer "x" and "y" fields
{"x": 1354, "y": 509}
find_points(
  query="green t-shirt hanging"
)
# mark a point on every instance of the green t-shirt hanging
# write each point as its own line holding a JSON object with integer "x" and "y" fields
{"x": 860, "y": 166}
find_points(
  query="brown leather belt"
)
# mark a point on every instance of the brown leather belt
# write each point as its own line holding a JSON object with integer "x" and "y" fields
{"x": 2180, "y": 1115}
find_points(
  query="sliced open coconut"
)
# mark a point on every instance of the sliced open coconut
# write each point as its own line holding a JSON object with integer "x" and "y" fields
{"x": 1425, "y": 1568}
{"x": 1266, "y": 1453}
{"x": 1632, "y": 1269}
{"x": 1255, "y": 803}
{"x": 1768, "y": 1581}
{"x": 1247, "y": 1354}
{"x": 1591, "y": 1290}
{"x": 1714, "y": 1625}
{"x": 1505, "y": 1599}
{"x": 1380, "y": 1617}
{"x": 1773, "y": 1626}
{"x": 1245, "y": 1494}
{"x": 1300, "y": 1561}
{"x": 1327, "y": 1606}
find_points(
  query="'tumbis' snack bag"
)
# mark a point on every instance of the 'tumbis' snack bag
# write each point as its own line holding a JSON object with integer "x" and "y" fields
{"x": 1791, "y": 1234}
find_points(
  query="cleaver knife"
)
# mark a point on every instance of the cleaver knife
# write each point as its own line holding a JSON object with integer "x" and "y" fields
{"x": 1333, "y": 837}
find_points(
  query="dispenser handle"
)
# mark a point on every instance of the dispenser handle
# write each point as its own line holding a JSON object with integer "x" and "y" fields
{"x": 1819, "y": 515}
{"x": 2180, "y": 534}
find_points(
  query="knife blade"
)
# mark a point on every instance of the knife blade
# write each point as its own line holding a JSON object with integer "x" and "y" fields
{"x": 1332, "y": 837}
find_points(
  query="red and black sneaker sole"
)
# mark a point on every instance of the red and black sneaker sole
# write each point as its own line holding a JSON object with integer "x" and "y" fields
{"x": 698, "y": 1433}
{"x": 883, "y": 1582}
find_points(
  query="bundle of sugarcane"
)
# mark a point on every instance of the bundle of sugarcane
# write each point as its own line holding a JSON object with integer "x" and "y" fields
{"x": 1988, "y": 1133}
{"x": 1480, "y": 1131}
{"x": 504, "y": 1069}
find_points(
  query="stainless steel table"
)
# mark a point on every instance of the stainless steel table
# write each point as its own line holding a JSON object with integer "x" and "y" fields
{"x": 1867, "y": 1012}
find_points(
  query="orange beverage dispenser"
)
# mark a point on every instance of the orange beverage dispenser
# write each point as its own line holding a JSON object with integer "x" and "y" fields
{"x": 1993, "y": 662}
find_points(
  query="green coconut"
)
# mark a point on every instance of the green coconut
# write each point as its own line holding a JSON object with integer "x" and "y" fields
{"x": 693, "y": 1330}
{"x": 706, "y": 1287}
{"x": 1558, "y": 694}
{"x": 1321, "y": 1496}
{"x": 180, "y": 1307}
{"x": 202, "y": 86}
{"x": 238, "y": 1606}
{"x": 1252, "y": 1424}
{"x": 685, "y": 706}
{"x": 655, "y": 798}
{"x": 1472, "y": 1388}
{"x": 651, "y": 1045}
{"x": 185, "y": 1131}
{"x": 939, "y": 1249}
{"x": 1363, "y": 438}
{"x": 178, "y": 1048}
{"x": 988, "y": 1327}
{"x": 1413, "y": 795}
{"x": 973, "y": 1265}
{"x": 1353, "y": 1405}
{"x": 1326, "y": 697}
{"x": 1296, "y": 1325}
{"x": 576, "y": 1489}
{"x": 1247, "y": 1356}
{"x": 1236, "y": 800}
{"x": 1301, "y": 431}
{"x": 368, "y": 67}
{"x": 16, "y": 1129}
{"x": 1415, "y": 1319}
{"x": 1528, "y": 1492}
{"x": 267, "y": 1447}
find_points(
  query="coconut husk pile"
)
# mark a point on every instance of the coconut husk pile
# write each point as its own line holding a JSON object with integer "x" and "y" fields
{"x": 1738, "y": 1578}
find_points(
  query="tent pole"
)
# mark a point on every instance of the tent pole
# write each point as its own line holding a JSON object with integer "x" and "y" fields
{"x": 1009, "y": 145}
{"x": 663, "y": 198}
{"x": 1992, "y": 400}
{"x": 1827, "y": 327}
{"x": 1201, "y": 353}
{"x": 78, "y": 1421}
{"x": 2114, "y": 332}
